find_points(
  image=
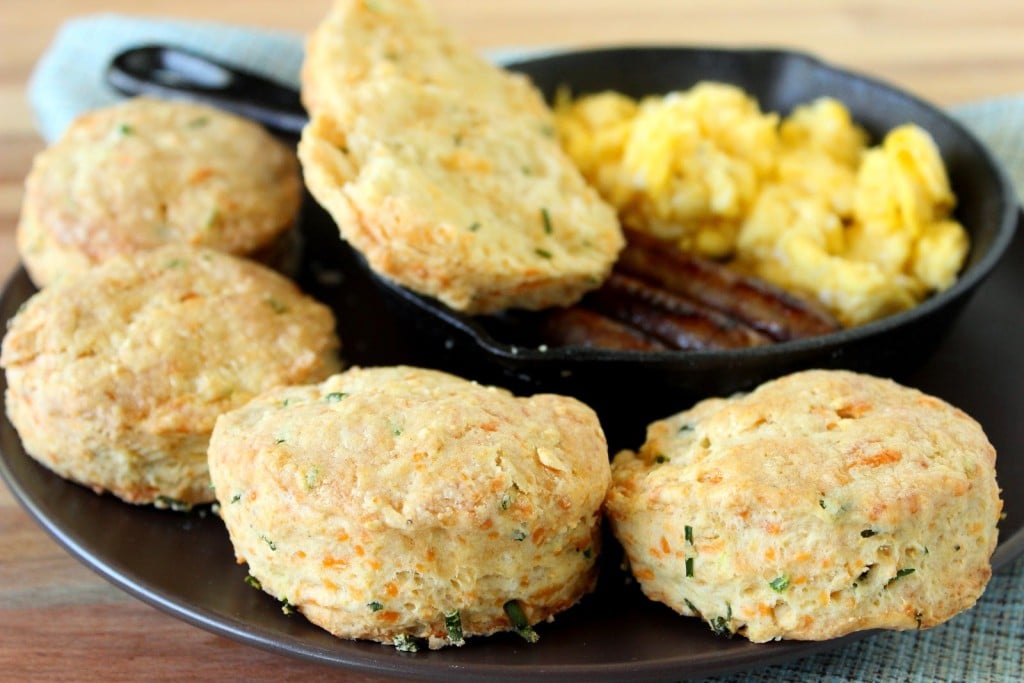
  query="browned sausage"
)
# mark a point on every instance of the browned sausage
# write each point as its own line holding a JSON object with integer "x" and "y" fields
{"x": 578, "y": 326}
{"x": 679, "y": 323}
{"x": 777, "y": 313}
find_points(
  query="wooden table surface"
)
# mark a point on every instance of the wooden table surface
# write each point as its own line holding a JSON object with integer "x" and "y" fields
{"x": 58, "y": 620}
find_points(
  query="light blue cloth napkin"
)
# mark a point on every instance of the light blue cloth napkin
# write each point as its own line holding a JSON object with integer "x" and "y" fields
{"x": 986, "y": 643}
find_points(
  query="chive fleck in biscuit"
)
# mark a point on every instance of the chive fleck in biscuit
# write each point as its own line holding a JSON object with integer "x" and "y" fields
{"x": 146, "y": 172}
{"x": 399, "y": 503}
{"x": 822, "y": 503}
{"x": 117, "y": 374}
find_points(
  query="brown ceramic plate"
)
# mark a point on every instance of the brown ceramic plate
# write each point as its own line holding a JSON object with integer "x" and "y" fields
{"x": 183, "y": 564}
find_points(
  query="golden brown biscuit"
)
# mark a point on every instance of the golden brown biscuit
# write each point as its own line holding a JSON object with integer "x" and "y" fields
{"x": 398, "y": 503}
{"x": 822, "y": 503}
{"x": 444, "y": 172}
{"x": 360, "y": 42}
{"x": 116, "y": 375}
{"x": 143, "y": 173}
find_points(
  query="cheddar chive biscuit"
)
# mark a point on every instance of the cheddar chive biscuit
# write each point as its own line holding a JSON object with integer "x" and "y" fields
{"x": 399, "y": 504}
{"x": 117, "y": 374}
{"x": 443, "y": 170}
{"x": 822, "y": 503}
{"x": 146, "y": 172}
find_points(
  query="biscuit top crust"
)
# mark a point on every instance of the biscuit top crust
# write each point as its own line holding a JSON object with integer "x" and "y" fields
{"x": 167, "y": 339}
{"x": 145, "y": 172}
{"x": 400, "y": 447}
{"x": 866, "y": 434}
{"x": 361, "y": 41}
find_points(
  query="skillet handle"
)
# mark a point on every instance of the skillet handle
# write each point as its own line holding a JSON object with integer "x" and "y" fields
{"x": 174, "y": 73}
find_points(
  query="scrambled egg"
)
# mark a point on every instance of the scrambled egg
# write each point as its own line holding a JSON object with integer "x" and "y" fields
{"x": 803, "y": 201}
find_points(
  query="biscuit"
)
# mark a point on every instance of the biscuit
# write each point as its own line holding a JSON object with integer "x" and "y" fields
{"x": 445, "y": 173}
{"x": 117, "y": 374}
{"x": 400, "y": 503}
{"x": 821, "y": 503}
{"x": 361, "y": 42}
{"x": 146, "y": 172}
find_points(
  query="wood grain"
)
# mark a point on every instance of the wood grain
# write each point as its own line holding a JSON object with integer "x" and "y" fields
{"x": 58, "y": 620}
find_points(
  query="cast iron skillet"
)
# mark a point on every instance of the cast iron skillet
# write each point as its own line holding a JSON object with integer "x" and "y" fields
{"x": 501, "y": 349}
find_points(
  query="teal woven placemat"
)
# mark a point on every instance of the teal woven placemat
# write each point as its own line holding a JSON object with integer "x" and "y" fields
{"x": 985, "y": 643}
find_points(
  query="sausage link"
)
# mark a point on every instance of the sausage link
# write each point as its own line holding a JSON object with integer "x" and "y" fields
{"x": 769, "y": 309}
{"x": 677, "y": 322}
{"x": 577, "y": 326}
